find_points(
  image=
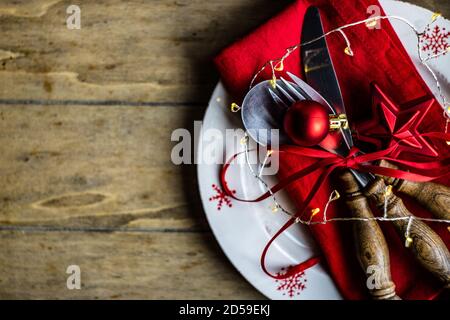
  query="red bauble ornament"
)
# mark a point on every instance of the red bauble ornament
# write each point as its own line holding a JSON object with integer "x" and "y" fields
{"x": 307, "y": 123}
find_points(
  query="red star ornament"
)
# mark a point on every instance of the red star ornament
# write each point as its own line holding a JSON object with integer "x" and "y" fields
{"x": 400, "y": 124}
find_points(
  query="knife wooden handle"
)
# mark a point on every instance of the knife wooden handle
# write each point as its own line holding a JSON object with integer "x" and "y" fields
{"x": 371, "y": 248}
{"x": 432, "y": 196}
{"x": 427, "y": 246}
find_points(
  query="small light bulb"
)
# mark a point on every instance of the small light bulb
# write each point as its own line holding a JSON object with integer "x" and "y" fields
{"x": 435, "y": 16}
{"x": 314, "y": 212}
{"x": 348, "y": 51}
{"x": 408, "y": 242}
{"x": 273, "y": 82}
{"x": 235, "y": 107}
{"x": 371, "y": 23}
{"x": 279, "y": 66}
{"x": 388, "y": 191}
{"x": 335, "y": 195}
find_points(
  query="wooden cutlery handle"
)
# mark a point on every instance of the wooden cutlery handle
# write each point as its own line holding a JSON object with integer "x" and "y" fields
{"x": 432, "y": 196}
{"x": 371, "y": 248}
{"x": 426, "y": 245}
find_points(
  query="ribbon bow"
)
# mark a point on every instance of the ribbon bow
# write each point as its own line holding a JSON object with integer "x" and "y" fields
{"x": 328, "y": 162}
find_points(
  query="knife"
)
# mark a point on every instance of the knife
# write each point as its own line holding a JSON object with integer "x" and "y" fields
{"x": 370, "y": 244}
{"x": 432, "y": 196}
{"x": 320, "y": 74}
{"x": 428, "y": 248}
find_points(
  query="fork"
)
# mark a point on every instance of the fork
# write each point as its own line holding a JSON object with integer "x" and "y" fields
{"x": 370, "y": 244}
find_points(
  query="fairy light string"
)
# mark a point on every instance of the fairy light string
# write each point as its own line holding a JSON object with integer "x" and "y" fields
{"x": 333, "y": 197}
{"x": 408, "y": 239}
{"x": 278, "y": 64}
{"x": 387, "y": 193}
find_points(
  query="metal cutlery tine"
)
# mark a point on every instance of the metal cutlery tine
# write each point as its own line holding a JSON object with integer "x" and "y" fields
{"x": 290, "y": 88}
{"x": 285, "y": 94}
{"x": 277, "y": 99}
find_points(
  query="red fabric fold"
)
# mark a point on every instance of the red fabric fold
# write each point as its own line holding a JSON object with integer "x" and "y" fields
{"x": 380, "y": 57}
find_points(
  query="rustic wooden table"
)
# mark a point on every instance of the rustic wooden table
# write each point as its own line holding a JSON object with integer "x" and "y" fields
{"x": 85, "y": 171}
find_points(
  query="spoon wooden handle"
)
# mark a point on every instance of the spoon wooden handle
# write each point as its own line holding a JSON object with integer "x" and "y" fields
{"x": 432, "y": 196}
{"x": 371, "y": 248}
{"x": 428, "y": 248}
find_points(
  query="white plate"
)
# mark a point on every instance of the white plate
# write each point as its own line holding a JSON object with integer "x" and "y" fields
{"x": 243, "y": 229}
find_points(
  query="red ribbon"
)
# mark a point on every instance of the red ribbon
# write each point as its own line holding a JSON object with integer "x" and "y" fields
{"x": 328, "y": 162}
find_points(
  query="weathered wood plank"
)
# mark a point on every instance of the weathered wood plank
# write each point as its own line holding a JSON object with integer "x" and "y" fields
{"x": 441, "y": 6}
{"x": 95, "y": 166}
{"x": 137, "y": 50}
{"x": 117, "y": 266}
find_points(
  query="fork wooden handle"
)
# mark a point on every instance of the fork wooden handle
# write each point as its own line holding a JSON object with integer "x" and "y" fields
{"x": 371, "y": 248}
{"x": 427, "y": 247}
{"x": 432, "y": 196}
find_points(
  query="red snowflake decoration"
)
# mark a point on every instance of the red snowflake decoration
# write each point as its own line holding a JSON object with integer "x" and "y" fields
{"x": 221, "y": 197}
{"x": 292, "y": 285}
{"x": 435, "y": 41}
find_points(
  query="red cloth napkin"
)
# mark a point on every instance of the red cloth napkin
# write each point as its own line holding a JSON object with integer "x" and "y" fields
{"x": 380, "y": 57}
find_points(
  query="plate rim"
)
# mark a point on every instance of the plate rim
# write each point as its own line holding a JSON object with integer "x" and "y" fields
{"x": 220, "y": 85}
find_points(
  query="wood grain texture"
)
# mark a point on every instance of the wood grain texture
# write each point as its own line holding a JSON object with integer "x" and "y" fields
{"x": 118, "y": 266}
{"x": 83, "y": 167}
{"x": 432, "y": 196}
{"x": 428, "y": 248}
{"x": 136, "y": 50}
{"x": 371, "y": 247}
{"x": 86, "y": 118}
{"x": 441, "y": 6}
